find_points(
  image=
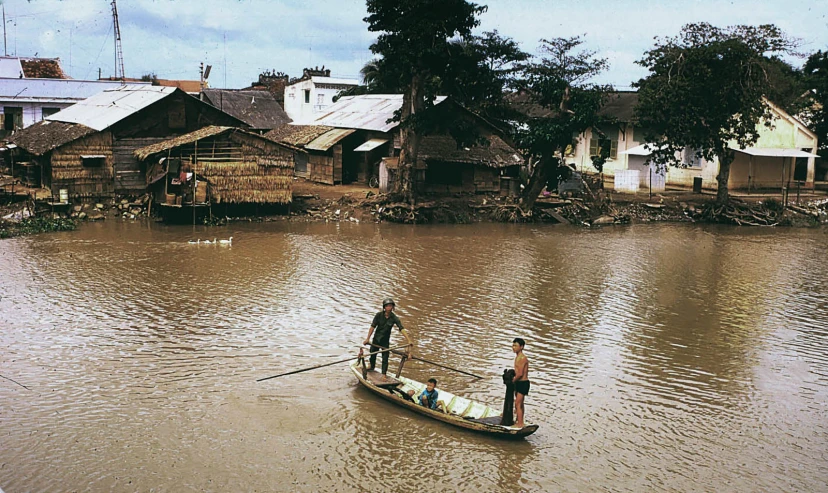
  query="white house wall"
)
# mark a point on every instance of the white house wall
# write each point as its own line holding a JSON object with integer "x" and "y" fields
{"x": 583, "y": 162}
{"x": 321, "y": 98}
{"x": 32, "y": 95}
{"x": 765, "y": 172}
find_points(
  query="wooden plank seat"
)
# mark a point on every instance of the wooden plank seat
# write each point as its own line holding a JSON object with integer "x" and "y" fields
{"x": 382, "y": 381}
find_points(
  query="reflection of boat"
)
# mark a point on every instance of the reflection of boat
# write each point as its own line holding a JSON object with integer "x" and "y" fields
{"x": 460, "y": 411}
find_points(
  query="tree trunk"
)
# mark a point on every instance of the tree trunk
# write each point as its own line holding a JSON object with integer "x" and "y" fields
{"x": 725, "y": 159}
{"x": 540, "y": 176}
{"x": 409, "y": 140}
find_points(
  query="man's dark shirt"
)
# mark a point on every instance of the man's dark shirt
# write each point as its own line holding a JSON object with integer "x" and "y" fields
{"x": 382, "y": 326}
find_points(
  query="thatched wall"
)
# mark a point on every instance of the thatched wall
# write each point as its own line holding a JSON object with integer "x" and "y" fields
{"x": 69, "y": 172}
{"x": 240, "y": 167}
{"x": 246, "y": 182}
{"x": 264, "y": 175}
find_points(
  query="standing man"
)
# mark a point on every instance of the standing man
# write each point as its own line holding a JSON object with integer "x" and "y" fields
{"x": 381, "y": 327}
{"x": 521, "y": 379}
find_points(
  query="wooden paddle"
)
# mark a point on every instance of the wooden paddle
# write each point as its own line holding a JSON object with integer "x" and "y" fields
{"x": 329, "y": 364}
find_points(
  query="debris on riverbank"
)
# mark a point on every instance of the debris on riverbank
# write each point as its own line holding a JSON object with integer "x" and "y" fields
{"x": 34, "y": 225}
{"x": 598, "y": 209}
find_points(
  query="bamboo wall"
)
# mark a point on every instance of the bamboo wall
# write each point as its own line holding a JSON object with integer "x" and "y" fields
{"x": 68, "y": 171}
{"x": 321, "y": 168}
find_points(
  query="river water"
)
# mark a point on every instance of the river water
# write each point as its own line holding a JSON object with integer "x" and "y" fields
{"x": 663, "y": 357}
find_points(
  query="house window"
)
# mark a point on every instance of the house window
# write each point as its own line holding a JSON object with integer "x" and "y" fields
{"x": 603, "y": 147}
{"x": 691, "y": 158}
{"x": 307, "y": 96}
{"x": 300, "y": 162}
{"x": 44, "y": 112}
{"x": 801, "y": 168}
{"x": 96, "y": 161}
{"x": 12, "y": 118}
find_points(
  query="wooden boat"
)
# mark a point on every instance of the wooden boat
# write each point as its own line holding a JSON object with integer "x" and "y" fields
{"x": 461, "y": 412}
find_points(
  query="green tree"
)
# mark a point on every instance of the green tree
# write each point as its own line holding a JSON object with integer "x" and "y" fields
{"x": 413, "y": 46}
{"x": 481, "y": 70}
{"x": 559, "y": 101}
{"x": 705, "y": 89}
{"x": 816, "y": 111}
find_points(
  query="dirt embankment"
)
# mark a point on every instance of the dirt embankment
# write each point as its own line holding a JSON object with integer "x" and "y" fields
{"x": 314, "y": 202}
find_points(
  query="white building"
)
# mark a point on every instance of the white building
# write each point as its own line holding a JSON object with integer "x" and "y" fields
{"x": 31, "y": 89}
{"x": 309, "y": 96}
{"x": 782, "y": 157}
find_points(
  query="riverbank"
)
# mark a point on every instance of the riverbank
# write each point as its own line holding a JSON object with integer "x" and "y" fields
{"x": 359, "y": 203}
{"x": 314, "y": 202}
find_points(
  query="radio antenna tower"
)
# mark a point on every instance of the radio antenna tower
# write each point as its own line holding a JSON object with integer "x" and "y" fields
{"x": 119, "y": 53}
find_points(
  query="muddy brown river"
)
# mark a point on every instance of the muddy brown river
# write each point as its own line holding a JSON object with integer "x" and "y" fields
{"x": 663, "y": 357}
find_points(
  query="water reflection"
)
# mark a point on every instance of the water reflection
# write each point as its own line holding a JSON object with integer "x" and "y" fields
{"x": 663, "y": 357}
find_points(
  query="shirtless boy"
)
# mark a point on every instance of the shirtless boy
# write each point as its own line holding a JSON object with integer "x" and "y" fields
{"x": 521, "y": 379}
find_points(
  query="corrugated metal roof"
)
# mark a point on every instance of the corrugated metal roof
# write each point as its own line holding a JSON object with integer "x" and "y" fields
{"x": 112, "y": 105}
{"x": 329, "y": 139}
{"x": 773, "y": 152}
{"x": 53, "y": 90}
{"x": 370, "y": 144}
{"x": 366, "y": 112}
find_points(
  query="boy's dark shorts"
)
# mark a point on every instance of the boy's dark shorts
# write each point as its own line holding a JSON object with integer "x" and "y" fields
{"x": 522, "y": 387}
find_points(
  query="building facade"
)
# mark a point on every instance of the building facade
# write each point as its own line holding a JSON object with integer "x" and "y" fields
{"x": 308, "y": 97}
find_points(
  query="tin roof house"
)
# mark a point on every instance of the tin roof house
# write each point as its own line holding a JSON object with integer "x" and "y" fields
{"x": 88, "y": 148}
{"x": 31, "y": 89}
{"x": 354, "y": 141}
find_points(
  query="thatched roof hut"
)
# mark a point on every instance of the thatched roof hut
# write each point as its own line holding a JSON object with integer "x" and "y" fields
{"x": 240, "y": 166}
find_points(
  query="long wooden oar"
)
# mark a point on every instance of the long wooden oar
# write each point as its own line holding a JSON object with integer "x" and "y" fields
{"x": 446, "y": 367}
{"x": 329, "y": 364}
{"x": 18, "y": 383}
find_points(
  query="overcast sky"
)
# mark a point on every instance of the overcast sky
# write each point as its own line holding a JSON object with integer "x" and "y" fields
{"x": 241, "y": 38}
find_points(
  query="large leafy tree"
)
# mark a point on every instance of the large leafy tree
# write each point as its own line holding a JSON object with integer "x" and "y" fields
{"x": 481, "y": 70}
{"x": 413, "y": 46}
{"x": 559, "y": 101}
{"x": 705, "y": 89}
{"x": 478, "y": 73}
{"x": 816, "y": 112}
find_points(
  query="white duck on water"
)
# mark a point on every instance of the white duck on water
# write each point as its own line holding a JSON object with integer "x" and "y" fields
{"x": 227, "y": 242}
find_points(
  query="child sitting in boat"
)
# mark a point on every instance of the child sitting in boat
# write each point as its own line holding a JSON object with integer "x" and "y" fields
{"x": 429, "y": 396}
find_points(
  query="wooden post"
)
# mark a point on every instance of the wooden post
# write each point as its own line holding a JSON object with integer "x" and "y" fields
{"x": 402, "y": 363}
{"x": 362, "y": 362}
{"x": 195, "y": 161}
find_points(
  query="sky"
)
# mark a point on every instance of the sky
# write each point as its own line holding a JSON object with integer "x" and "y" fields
{"x": 242, "y": 38}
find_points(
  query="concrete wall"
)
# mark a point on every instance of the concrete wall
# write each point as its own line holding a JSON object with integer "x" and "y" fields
{"x": 321, "y": 97}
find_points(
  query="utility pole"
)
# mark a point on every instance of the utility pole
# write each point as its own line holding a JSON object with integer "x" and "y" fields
{"x": 119, "y": 54}
{"x": 5, "y": 47}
